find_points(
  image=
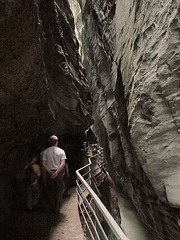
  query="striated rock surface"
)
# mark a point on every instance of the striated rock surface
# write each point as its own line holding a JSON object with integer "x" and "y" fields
{"x": 68, "y": 88}
{"x": 131, "y": 54}
{"x": 43, "y": 87}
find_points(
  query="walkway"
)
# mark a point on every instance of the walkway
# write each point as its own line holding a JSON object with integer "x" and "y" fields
{"x": 69, "y": 227}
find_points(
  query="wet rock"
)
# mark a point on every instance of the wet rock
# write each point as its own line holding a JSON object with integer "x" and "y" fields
{"x": 131, "y": 53}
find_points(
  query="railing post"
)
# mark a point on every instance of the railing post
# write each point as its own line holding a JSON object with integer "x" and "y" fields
{"x": 98, "y": 205}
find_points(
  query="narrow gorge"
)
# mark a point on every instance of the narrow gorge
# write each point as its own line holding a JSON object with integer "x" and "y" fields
{"x": 123, "y": 56}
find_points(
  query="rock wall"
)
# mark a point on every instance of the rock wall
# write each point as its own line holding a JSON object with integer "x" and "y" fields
{"x": 131, "y": 54}
{"x": 43, "y": 87}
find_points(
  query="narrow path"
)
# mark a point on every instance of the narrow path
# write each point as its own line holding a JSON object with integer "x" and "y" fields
{"x": 69, "y": 227}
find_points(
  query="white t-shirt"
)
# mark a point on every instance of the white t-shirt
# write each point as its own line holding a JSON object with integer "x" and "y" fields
{"x": 53, "y": 156}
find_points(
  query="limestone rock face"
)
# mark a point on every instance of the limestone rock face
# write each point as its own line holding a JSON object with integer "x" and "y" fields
{"x": 131, "y": 54}
{"x": 68, "y": 88}
{"x": 43, "y": 87}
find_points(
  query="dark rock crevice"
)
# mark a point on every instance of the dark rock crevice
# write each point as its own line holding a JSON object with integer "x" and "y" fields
{"x": 64, "y": 71}
{"x": 43, "y": 91}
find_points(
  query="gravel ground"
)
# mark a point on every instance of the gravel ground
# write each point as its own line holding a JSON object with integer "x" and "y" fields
{"x": 69, "y": 227}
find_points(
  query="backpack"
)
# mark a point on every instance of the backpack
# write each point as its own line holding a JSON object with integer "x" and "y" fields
{"x": 30, "y": 175}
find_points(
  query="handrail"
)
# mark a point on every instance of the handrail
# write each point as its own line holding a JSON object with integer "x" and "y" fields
{"x": 119, "y": 234}
{"x": 89, "y": 206}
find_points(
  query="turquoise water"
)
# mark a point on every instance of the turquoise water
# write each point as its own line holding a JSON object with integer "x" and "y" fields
{"x": 130, "y": 220}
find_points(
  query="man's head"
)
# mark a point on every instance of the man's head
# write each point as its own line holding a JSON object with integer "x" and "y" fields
{"x": 53, "y": 140}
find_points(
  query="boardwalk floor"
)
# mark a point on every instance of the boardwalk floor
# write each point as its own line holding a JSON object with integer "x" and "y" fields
{"x": 69, "y": 227}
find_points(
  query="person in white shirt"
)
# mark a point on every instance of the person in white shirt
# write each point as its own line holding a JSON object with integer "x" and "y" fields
{"x": 53, "y": 161}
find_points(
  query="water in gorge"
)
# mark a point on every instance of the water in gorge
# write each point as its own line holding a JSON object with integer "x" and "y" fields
{"x": 130, "y": 221}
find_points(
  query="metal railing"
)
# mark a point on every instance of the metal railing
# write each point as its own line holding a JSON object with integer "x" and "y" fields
{"x": 97, "y": 219}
